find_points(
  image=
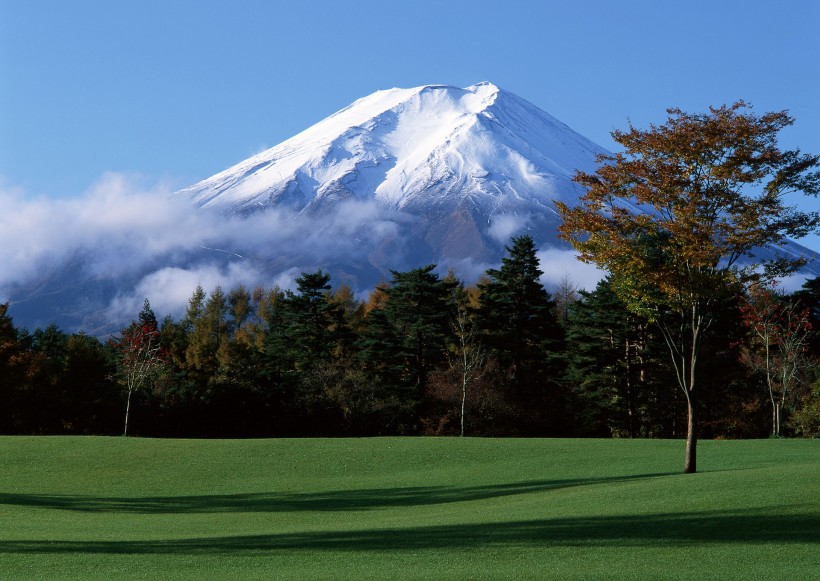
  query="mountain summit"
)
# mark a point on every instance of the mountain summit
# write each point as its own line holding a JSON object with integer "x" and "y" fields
{"x": 399, "y": 179}
{"x": 470, "y": 167}
{"x": 457, "y": 172}
{"x": 408, "y": 149}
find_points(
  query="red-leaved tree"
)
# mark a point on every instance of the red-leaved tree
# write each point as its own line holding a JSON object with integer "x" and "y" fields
{"x": 780, "y": 330}
{"x": 141, "y": 357}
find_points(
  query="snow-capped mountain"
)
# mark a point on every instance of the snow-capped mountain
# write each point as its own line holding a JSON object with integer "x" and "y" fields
{"x": 457, "y": 172}
{"x": 399, "y": 179}
{"x": 410, "y": 148}
{"x": 470, "y": 166}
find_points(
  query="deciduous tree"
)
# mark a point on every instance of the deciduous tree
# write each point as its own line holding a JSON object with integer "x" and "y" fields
{"x": 780, "y": 328}
{"x": 141, "y": 355}
{"x": 679, "y": 215}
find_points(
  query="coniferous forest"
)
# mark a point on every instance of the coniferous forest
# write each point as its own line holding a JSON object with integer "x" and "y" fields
{"x": 422, "y": 355}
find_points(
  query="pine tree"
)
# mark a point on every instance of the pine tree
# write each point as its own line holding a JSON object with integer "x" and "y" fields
{"x": 317, "y": 336}
{"x": 520, "y": 329}
{"x": 406, "y": 339}
{"x": 316, "y": 323}
{"x": 147, "y": 317}
{"x": 612, "y": 356}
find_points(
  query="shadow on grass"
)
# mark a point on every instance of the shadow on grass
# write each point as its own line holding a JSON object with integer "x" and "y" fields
{"x": 344, "y": 500}
{"x": 614, "y": 531}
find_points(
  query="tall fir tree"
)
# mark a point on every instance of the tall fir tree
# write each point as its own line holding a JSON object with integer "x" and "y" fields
{"x": 318, "y": 336}
{"x": 613, "y": 362}
{"x": 520, "y": 329}
{"x": 406, "y": 339}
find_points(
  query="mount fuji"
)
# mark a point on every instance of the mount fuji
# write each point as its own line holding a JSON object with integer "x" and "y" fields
{"x": 399, "y": 179}
{"x": 460, "y": 169}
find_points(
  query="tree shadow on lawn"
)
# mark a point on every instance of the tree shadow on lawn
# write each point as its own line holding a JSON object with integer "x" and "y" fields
{"x": 342, "y": 500}
{"x": 655, "y": 530}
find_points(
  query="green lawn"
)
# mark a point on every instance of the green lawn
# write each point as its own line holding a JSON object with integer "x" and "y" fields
{"x": 407, "y": 508}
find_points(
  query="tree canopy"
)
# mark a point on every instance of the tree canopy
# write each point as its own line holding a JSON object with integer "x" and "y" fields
{"x": 688, "y": 213}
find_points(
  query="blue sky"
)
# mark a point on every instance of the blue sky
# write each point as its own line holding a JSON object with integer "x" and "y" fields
{"x": 177, "y": 90}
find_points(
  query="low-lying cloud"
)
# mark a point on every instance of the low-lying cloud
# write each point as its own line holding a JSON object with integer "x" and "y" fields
{"x": 140, "y": 241}
{"x": 559, "y": 265}
{"x": 146, "y": 242}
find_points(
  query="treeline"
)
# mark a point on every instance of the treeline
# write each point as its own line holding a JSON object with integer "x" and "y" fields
{"x": 422, "y": 355}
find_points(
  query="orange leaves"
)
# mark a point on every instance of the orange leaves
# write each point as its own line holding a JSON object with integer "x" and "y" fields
{"x": 709, "y": 187}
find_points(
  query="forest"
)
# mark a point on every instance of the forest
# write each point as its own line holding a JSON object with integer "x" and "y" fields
{"x": 423, "y": 354}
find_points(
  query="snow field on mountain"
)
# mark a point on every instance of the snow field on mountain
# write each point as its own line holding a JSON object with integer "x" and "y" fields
{"x": 411, "y": 148}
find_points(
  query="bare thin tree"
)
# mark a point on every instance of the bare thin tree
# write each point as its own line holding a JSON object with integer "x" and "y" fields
{"x": 468, "y": 356}
{"x": 140, "y": 356}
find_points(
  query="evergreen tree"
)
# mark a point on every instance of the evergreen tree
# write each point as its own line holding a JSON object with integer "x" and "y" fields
{"x": 316, "y": 323}
{"x": 176, "y": 398}
{"x": 51, "y": 342}
{"x": 146, "y": 316}
{"x": 809, "y": 297}
{"x": 317, "y": 335}
{"x": 419, "y": 309}
{"x": 89, "y": 400}
{"x": 277, "y": 366}
{"x": 12, "y": 373}
{"x": 520, "y": 329}
{"x": 612, "y": 356}
{"x": 732, "y": 403}
{"x": 406, "y": 340}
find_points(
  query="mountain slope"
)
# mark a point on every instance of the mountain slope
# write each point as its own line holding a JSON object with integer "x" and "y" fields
{"x": 407, "y": 148}
{"x": 399, "y": 179}
{"x": 467, "y": 168}
{"x": 457, "y": 171}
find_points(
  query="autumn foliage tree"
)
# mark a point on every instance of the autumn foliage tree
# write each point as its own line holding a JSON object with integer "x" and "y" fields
{"x": 780, "y": 329}
{"x": 679, "y": 215}
{"x": 141, "y": 355}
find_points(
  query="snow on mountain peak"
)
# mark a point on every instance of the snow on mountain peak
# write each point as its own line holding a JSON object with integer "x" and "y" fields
{"x": 404, "y": 148}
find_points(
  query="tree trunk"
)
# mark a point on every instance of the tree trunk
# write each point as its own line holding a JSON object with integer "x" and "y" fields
{"x": 127, "y": 409}
{"x": 690, "y": 460}
{"x": 463, "y": 398}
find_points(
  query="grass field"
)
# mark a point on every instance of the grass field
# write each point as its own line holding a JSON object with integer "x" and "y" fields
{"x": 407, "y": 508}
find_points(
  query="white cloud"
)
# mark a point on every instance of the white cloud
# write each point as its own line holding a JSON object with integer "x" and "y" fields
{"x": 557, "y": 264}
{"x": 467, "y": 269}
{"x": 118, "y": 224}
{"x": 170, "y": 288}
{"x": 505, "y": 226}
{"x": 160, "y": 247}
{"x": 793, "y": 282}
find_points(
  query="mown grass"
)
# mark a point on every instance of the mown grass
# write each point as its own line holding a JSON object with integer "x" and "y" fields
{"x": 407, "y": 508}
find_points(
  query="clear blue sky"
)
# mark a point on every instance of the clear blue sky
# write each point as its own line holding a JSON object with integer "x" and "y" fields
{"x": 178, "y": 90}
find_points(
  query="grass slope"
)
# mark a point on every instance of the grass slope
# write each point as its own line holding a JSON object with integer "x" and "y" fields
{"x": 406, "y": 508}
